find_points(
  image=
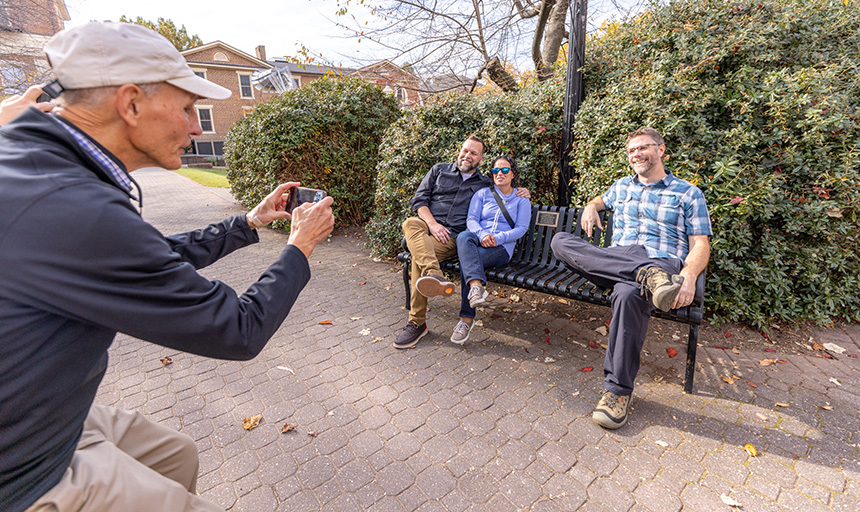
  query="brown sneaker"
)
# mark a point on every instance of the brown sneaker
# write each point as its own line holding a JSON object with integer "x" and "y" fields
{"x": 611, "y": 411}
{"x": 662, "y": 287}
{"x": 410, "y": 335}
{"x": 433, "y": 285}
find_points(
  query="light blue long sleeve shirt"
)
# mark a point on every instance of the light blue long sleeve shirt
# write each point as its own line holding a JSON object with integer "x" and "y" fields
{"x": 485, "y": 217}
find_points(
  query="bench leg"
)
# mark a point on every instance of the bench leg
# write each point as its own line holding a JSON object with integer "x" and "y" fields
{"x": 406, "y": 267}
{"x": 692, "y": 344}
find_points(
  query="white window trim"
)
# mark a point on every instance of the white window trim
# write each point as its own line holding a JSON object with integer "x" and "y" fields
{"x": 201, "y": 70}
{"x": 248, "y": 74}
{"x": 198, "y": 108}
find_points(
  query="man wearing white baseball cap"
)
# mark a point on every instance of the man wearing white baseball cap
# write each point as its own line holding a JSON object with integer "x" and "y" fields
{"x": 78, "y": 264}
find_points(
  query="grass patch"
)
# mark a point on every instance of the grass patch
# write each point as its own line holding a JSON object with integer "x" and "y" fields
{"x": 206, "y": 177}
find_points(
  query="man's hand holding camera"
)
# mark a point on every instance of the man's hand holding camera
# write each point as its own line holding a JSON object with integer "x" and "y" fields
{"x": 310, "y": 223}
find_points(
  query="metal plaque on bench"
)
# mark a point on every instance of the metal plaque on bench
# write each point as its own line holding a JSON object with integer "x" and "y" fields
{"x": 547, "y": 219}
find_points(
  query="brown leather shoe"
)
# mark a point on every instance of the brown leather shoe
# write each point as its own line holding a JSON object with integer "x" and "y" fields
{"x": 410, "y": 335}
{"x": 662, "y": 287}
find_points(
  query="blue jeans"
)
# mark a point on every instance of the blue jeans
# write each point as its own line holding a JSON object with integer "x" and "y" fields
{"x": 473, "y": 260}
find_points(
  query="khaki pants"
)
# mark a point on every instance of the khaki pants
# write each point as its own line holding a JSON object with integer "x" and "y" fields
{"x": 426, "y": 253}
{"x": 129, "y": 463}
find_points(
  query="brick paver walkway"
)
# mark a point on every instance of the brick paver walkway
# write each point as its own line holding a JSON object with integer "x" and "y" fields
{"x": 496, "y": 425}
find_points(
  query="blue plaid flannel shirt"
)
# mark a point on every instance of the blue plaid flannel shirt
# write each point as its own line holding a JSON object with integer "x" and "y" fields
{"x": 118, "y": 174}
{"x": 660, "y": 216}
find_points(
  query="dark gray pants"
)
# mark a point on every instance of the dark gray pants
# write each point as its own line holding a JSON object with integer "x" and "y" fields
{"x": 616, "y": 268}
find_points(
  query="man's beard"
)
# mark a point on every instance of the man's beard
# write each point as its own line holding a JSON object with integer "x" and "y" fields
{"x": 463, "y": 166}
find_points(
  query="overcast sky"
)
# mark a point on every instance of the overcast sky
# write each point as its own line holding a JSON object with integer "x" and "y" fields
{"x": 282, "y": 26}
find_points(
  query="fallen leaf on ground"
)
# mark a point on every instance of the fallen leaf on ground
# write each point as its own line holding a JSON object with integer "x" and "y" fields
{"x": 604, "y": 346}
{"x": 752, "y": 384}
{"x": 664, "y": 444}
{"x": 549, "y": 360}
{"x": 374, "y": 340}
{"x": 326, "y": 322}
{"x": 364, "y": 332}
{"x": 286, "y": 369}
{"x": 547, "y": 340}
{"x": 587, "y": 369}
{"x": 251, "y": 422}
{"x": 606, "y": 323}
{"x": 781, "y": 361}
{"x": 355, "y": 318}
{"x": 546, "y": 331}
{"x": 563, "y": 301}
{"x": 658, "y": 378}
{"x": 166, "y": 360}
{"x": 766, "y": 362}
{"x": 721, "y": 348}
{"x": 835, "y": 381}
{"x": 781, "y": 404}
{"x": 592, "y": 344}
{"x": 736, "y": 351}
{"x": 527, "y": 351}
{"x": 834, "y": 348}
{"x": 288, "y": 427}
{"x": 313, "y": 433}
{"x": 479, "y": 323}
{"x": 362, "y": 283}
{"x": 729, "y": 379}
{"x": 672, "y": 352}
{"x": 852, "y": 355}
{"x": 601, "y": 330}
{"x": 515, "y": 297}
{"x": 826, "y": 407}
{"x": 818, "y": 347}
{"x": 826, "y": 355}
{"x": 730, "y": 501}
{"x": 728, "y": 334}
{"x": 761, "y": 416}
{"x": 751, "y": 450}
{"x": 769, "y": 350}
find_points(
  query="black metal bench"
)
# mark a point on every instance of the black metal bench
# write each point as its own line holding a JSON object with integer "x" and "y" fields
{"x": 533, "y": 267}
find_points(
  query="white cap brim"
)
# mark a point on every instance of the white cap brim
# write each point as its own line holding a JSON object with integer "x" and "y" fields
{"x": 201, "y": 87}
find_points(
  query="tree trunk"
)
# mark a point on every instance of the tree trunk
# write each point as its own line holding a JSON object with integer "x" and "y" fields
{"x": 500, "y": 76}
{"x": 554, "y": 34}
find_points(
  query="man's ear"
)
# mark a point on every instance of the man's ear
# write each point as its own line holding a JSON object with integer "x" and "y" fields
{"x": 129, "y": 100}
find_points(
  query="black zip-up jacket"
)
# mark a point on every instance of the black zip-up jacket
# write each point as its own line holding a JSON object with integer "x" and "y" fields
{"x": 444, "y": 191}
{"x": 77, "y": 265}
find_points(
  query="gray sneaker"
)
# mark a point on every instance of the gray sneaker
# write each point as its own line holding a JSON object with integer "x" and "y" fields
{"x": 433, "y": 285}
{"x": 611, "y": 411}
{"x": 477, "y": 295}
{"x": 462, "y": 331}
{"x": 662, "y": 287}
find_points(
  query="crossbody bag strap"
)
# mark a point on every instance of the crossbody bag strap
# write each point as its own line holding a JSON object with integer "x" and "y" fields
{"x": 502, "y": 207}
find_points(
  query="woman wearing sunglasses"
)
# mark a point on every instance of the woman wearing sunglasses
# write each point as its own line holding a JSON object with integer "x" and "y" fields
{"x": 490, "y": 238}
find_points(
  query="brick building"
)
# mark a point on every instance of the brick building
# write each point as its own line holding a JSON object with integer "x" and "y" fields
{"x": 25, "y": 27}
{"x": 230, "y": 68}
{"x": 394, "y": 80}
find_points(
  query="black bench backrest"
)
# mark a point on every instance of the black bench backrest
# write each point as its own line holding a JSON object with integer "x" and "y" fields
{"x": 546, "y": 221}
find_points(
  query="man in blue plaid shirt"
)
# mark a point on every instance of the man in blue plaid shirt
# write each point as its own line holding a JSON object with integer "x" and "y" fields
{"x": 659, "y": 248}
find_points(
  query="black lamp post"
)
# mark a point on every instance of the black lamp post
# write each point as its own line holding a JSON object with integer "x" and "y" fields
{"x": 573, "y": 95}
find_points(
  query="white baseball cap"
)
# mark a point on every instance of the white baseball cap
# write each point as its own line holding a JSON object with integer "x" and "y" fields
{"x": 109, "y": 54}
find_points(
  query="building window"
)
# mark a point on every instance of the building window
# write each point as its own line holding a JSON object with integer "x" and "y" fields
{"x": 200, "y": 73}
{"x": 13, "y": 80}
{"x": 204, "y": 114}
{"x": 296, "y": 83}
{"x": 209, "y": 147}
{"x": 245, "y": 89}
{"x": 220, "y": 57}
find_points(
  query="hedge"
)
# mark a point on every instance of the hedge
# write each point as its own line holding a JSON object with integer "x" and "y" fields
{"x": 325, "y": 135}
{"x": 758, "y": 102}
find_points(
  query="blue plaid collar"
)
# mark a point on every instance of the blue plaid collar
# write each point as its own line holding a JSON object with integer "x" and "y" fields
{"x": 116, "y": 172}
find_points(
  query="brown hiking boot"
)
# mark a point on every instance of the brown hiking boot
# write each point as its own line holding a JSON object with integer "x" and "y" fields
{"x": 662, "y": 287}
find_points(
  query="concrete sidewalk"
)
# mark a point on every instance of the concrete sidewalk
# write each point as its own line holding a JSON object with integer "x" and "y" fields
{"x": 499, "y": 424}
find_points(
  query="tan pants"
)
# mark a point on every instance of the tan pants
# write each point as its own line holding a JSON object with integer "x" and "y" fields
{"x": 426, "y": 253}
{"x": 129, "y": 463}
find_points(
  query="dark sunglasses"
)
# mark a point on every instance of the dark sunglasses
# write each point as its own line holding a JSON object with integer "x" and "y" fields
{"x": 504, "y": 170}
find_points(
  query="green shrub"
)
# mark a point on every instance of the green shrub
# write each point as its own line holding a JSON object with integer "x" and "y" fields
{"x": 325, "y": 135}
{"x": 526, "y": 125}
{"x": 758, "y": 102}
